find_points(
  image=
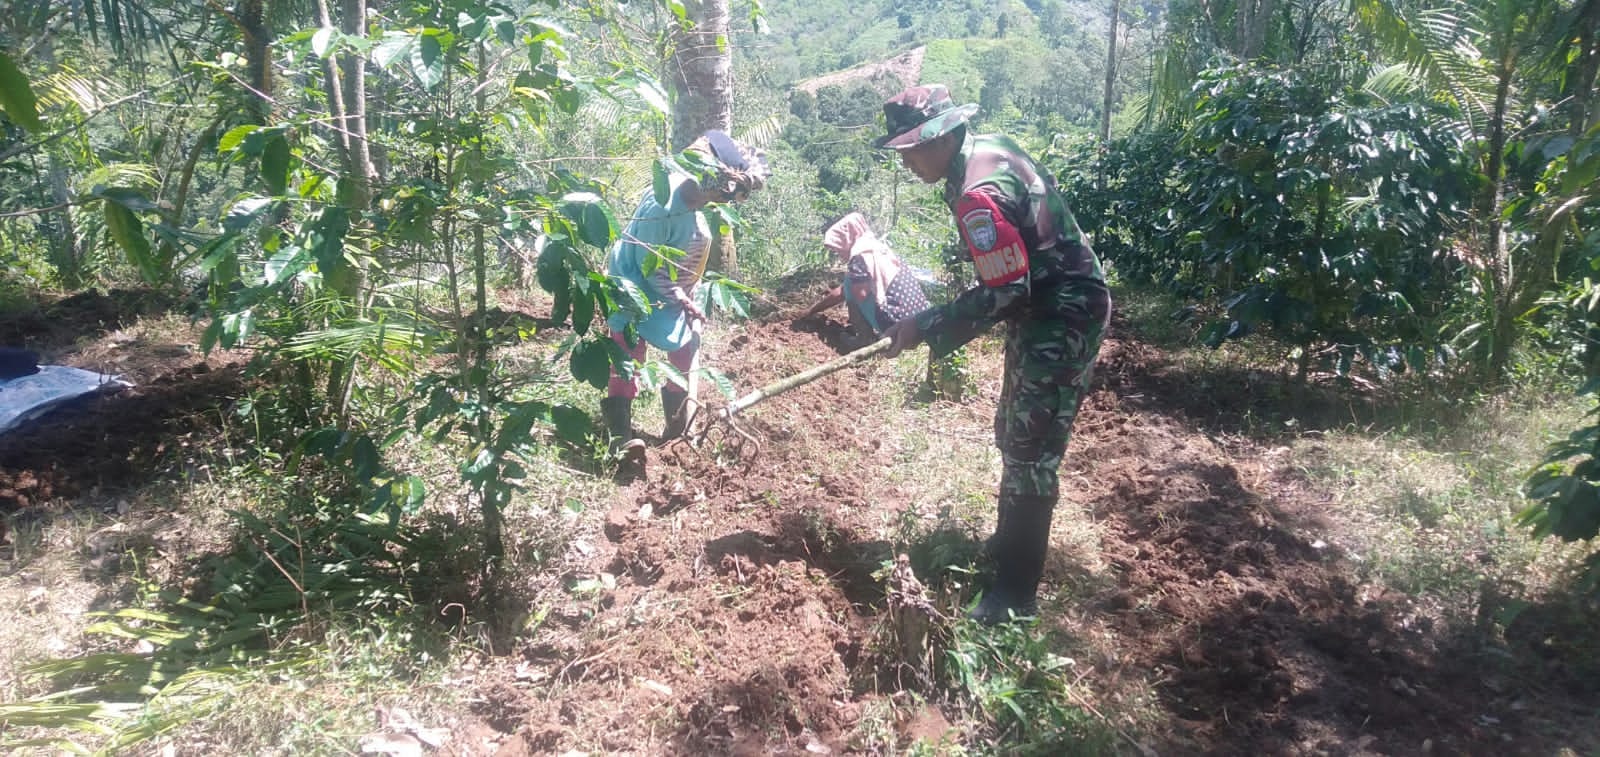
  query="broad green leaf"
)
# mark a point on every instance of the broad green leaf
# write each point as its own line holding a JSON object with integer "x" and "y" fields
{"x": 552, "y": 29}
{"x": 245, "y": 212}
{"x": 583, "y": 311}
{"x": 237, "y": 327}
{"x": 275, "y": 164}
{"x": 235, "y": 137}
{"x": 572, "y": 425}
{"x": 653, "y": 95}
{"x": 132, "y": 199}
{"x": 284, "y": 264}
{"x": 327, "y": 238}
{"x": 553, "y": 276}
{"x": 703, "y": 297}
{"x": 16, "y": 96}
{"x": 568, "y": 100}
{"x": 128, "y": 232}
{"x": 396, "y": 46}
{"x": 590, "y": 362}
{"x": 211, "y": 336}
{"x": 722, "y": 382}
{"x": 416, "y": 493}
{"x": 427, "y": 60}
{"x": 597, "y": 225}
{"x": 658, "y": 373}
{"x": 471, "y": 27}
{"x": 365, "y": 458}
{"x": 660, "y": 185}
{"x": 323, "y": 41}
{"x": 629, "y": 297}
{"x": 480, "y": 463}
{"x": 661, "y": 255}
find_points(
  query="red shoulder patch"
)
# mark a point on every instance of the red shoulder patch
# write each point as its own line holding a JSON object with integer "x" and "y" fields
{"x": 996, "y": 245}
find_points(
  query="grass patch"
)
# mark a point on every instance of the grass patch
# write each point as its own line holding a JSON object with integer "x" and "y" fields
{"x": 1429, "y": 508}
{"x": 284, "y": 622}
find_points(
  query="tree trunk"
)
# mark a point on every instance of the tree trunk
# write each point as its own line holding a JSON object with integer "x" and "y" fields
{"x": 174, "y": 216}
{"x": 1504, "y": 273}
{"x": 701, "y": 70}
{"x": 251, "y": 17}
{"x": 1111, "y": 80}
{"x": 66, "y": 247}
{"x": 353, "y": 22}
{"x": 1585, "y": 114}
{"x": 1251, "y": 20}
{"x": 702, "y": 73}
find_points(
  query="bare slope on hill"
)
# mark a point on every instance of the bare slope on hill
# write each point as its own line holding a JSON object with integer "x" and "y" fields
{"x": 885, "y": 77}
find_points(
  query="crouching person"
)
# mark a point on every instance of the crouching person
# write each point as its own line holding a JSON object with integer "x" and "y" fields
{"x": 879, "y": 289}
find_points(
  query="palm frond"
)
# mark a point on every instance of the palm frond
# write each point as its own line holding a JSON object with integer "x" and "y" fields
{"x": 604, "y": 111}
{"x": 66, "y": 89}
{"x": 763, "y": 132}
{"x": 1447, "y": 46}
{"x": 1392, "y": 82}
{"x": 124, "y": 175}
{"x": 129, "y": 27}
{"x": 390, "y": 344}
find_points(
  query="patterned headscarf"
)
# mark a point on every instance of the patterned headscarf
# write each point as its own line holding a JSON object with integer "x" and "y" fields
{"x": 741, "y": 168}
{"x": 851, "y": 237}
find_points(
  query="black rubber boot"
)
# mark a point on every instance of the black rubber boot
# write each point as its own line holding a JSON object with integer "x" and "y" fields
{"x": 991, "y": 546}
{"x": 672, "y": 406}
{"x": 626, "y": 447}
{"x": 1019, "y": 551}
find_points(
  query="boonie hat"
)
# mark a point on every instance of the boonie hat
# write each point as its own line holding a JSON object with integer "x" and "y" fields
{"x": 918, "y": 114}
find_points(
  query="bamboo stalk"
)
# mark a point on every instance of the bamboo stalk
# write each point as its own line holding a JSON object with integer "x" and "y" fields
{"x": 801, "y": 379}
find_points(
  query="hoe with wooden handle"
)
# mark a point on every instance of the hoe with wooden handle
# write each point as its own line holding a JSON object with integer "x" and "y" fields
{"x": 724, "y": 416}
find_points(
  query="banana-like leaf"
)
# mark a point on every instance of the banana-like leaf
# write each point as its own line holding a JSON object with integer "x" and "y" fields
{"x": 16, "y": 96}
{"x": 128, "y": 232}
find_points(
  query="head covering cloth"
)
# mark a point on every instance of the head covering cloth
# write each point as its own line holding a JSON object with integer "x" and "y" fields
{"x": 741, "y": 168}
{"x": 851, "y": 237}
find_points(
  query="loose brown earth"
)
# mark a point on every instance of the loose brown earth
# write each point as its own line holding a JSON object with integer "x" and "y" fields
{"x": 114, "y": 440}
{"x": 733, "y": 609}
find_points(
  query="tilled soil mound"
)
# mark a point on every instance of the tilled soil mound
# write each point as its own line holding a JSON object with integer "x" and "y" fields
{"x": 738, "y": 606}
{"x": 1255, "y": 629}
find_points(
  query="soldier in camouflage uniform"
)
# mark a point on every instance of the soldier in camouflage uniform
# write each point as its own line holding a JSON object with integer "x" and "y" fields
{"x": 1037, "y": 275}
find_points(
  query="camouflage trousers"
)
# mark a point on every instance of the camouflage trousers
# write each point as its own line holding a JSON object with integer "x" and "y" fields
{"x": 1049, "y": 358}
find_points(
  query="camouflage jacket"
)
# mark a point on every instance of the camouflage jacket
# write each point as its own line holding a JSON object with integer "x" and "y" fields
{"x": 1030, "y": 256}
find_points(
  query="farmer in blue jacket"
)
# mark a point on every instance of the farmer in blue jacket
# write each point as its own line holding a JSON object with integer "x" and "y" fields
{"x": 674, "y": 321}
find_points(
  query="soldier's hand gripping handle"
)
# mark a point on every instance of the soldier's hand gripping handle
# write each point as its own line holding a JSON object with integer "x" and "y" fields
{"x": 902, "y": 336}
